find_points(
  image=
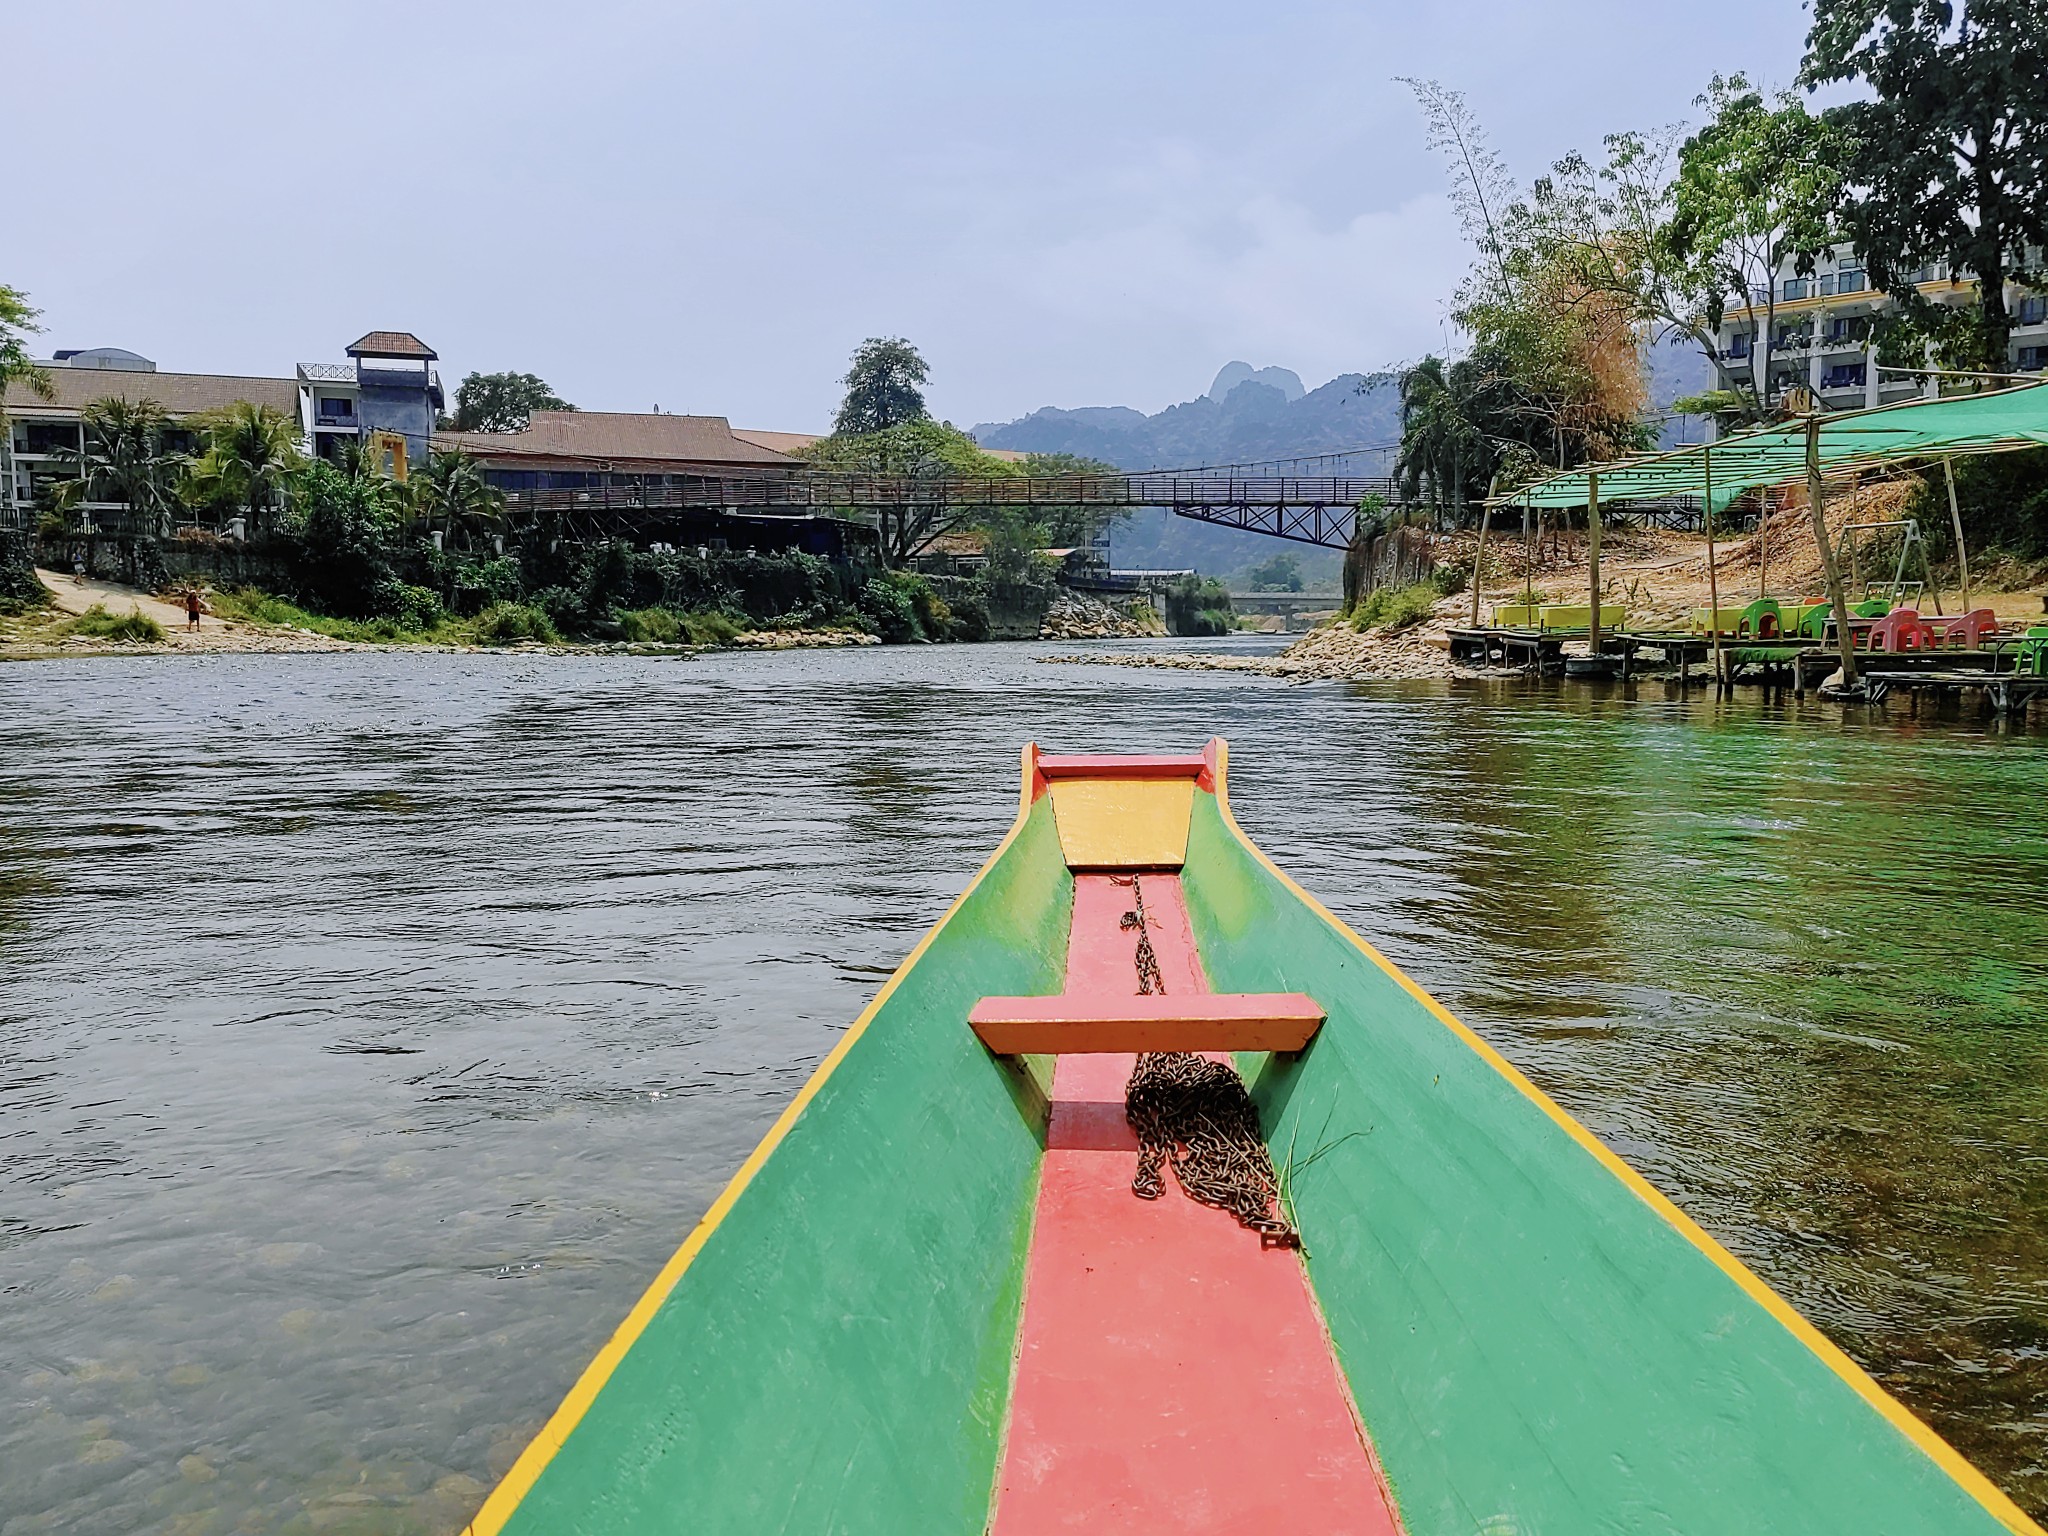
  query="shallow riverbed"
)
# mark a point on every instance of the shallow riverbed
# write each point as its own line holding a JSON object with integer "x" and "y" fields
{"x": 373, "y": 1026}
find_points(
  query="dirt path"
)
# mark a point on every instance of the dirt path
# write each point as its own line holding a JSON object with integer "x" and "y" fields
{"x": 72, "y": 598}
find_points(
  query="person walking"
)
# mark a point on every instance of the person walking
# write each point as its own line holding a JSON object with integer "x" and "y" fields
{"x": 192, "y": 609}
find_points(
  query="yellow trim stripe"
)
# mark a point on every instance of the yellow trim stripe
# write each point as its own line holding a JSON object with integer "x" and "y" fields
{"x": 526, "y": 1471}
{"x": 1903, "y": 1418}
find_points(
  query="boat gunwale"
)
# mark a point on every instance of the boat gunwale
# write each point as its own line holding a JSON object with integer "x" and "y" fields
{"x": 511, "y": 1490}
{"x": 1995, "y": 1501}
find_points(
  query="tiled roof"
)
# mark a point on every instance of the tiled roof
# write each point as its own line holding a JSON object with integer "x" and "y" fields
{"x": 789, "y": 442}
{"x": 391, "y": 344}
{"x": 182, "y": 394}
{"x": 616, "y": 435}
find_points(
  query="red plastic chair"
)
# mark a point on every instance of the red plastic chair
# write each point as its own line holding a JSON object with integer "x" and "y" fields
{"x": 1901, "y": 630}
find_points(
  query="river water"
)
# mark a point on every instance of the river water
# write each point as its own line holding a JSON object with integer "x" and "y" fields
{"x": 372, "y": 1027}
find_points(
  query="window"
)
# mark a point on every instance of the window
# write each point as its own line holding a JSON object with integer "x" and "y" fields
{"x": 2033, "y": 359}
{"x": 1851, "y": 280}
{"x": 1738, "y": 345}
{"x": 2033, "y": 309}
{"x": 1846, "y": 376}
{"x": 1795, "y": 288}
{"x": 333, "y": 408}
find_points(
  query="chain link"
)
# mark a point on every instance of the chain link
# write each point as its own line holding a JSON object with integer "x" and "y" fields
{"x": 1194, "y": 1115}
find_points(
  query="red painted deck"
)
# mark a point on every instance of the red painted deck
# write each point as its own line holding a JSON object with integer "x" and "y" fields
{"x": 1173, "y": 1375}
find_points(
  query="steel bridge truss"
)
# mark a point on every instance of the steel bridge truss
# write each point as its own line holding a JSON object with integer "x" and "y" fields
{"x": 1317, "y": 509}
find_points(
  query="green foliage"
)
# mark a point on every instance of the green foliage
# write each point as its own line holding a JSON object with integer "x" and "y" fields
{"x": 885, "y": 603}
{"x": 1946, "y": 158}
{"x": 132, "y": 627}
{"x": 1198, "y": 605}
{"x": 884, "y": 388}
{"x": 20, "y": 588}
{"x": 1063, "y": 524}
{"x": 340, "y": 535}
{"x": 1557, "y": 362}
{"x": 502, "y": 402}
{"x": 474, "y": 585}
{"x": 17, "y": 324}
{"x": 252, "y": 454}
{"x": 1758, "y": 185}
{"x": 125, "y": 460}
{"x": 912, "y": 451}
{"x": 1451, "y": 578}
{"x": 1394, "y": 608}
{"x": 450, "y": 490}
{"x": 1282, "y": 573}
{"x": 2003, "y": 499}
{"x": 514, "y": 624}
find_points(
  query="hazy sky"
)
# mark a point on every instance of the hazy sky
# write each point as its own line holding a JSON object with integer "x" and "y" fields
{"x": 707, "y": 206}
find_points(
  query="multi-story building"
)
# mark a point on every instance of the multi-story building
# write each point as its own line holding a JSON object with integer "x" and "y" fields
{"x": 388, "y": 394}
{"x": 1819, "y": 331}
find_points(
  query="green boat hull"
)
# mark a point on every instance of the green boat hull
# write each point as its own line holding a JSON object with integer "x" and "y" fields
{"x": 1535, "y": 1340}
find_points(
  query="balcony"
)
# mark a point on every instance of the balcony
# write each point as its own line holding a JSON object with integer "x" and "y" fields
{"x": 335, "y": 421}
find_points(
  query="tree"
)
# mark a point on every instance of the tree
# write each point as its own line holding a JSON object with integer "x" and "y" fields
{"x": 342, "y": 526}
{"x": 503, "y": 402}
{"x": 884, "y": 388}
{"x": 1282, "y": 573}
{"x": 17, "y": 324}
{"x": 1757, "y": 186}
{"x": 1947, "y": 164}
{"x": 451, "y": 487}
{"x": 1070, "y": 523}
{"x": 252, "y": 451}
{"x": 917, "y": 455}
{"x": 124, "y": 460}
{"x": 1559, "y": 355}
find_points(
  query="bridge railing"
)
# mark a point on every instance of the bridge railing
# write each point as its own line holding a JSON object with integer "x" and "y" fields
{"x": 787, "y": 489}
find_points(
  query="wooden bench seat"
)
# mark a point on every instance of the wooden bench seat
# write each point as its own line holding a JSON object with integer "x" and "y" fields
{"x": 1077, "y": 1024}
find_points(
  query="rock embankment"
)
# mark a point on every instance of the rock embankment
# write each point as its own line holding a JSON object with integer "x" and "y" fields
{"x": 1077, "y": 616}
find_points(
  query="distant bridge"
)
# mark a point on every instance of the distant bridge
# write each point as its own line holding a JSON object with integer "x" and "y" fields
{"x": 1311, "y": 509}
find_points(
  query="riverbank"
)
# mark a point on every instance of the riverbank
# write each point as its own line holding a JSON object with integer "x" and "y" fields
{"x": 1658, "y": 577}
{"x": 86, "y": 618}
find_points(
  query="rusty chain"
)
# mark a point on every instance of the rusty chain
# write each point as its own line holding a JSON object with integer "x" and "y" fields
{"x": 1194, "y": 1115}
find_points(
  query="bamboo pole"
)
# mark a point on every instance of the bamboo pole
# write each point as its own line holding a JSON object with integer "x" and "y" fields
{"x": 1955, "y": 517}
{"x": 1528, "y": 555}
{"x": 1713, "y": 580}
{"x": 1593, "y": 559}
{"x": 1845, "y": 640}
{"x": 1479, "y": 555}
{"x": 1763, "y": 545}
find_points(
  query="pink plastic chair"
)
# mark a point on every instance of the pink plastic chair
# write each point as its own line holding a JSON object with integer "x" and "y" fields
{"x": 1965, "y": 631}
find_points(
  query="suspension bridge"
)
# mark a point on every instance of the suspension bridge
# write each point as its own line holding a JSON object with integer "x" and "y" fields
{"x": 1308, "y": 499}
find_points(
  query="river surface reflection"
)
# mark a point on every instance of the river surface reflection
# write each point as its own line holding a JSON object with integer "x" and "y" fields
{"x": 372, "y": 1027}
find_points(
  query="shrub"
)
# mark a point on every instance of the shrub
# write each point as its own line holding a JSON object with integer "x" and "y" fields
{"x": 408, "y": 608}
{"x": 970, "y": 619}
{"x": 709, "y": 628}
{"x": 650, "y": 626}
{"x": 20, "y": 588}
{"x": 888, "y": 611}
{"x": 474, "y": 585}
{"x": 563, "y": 607}
{"x": 1452, "y": 577}
{"x": 134, "y": 626}
{"x": 513, "y": 624}
{"x": 1198, "y": 606}
{"x": 1392, "y": 608}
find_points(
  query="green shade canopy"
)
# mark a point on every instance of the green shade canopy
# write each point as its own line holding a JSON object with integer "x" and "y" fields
{"x": 1890, "y": 436}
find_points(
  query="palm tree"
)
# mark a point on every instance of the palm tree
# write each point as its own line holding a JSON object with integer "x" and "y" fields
{"x": 124, "y": 460}
{"x": 252, "y": 451}
{"x": 452, "y": 488}
{"x": 1444, "y": 444}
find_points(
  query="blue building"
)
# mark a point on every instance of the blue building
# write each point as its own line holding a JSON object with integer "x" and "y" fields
{"x": 398, "y": 394}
